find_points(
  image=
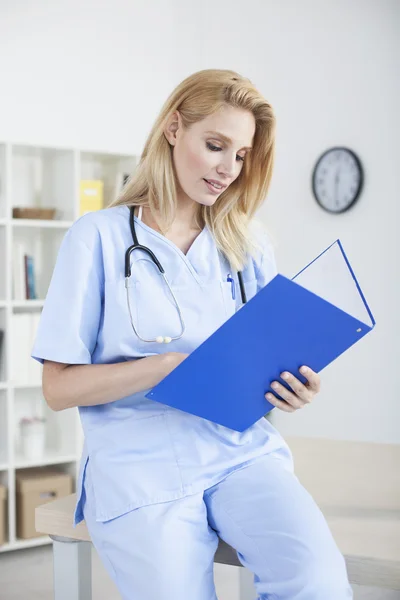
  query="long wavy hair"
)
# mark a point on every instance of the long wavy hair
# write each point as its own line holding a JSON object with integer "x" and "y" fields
{"x": 153, "y": 181}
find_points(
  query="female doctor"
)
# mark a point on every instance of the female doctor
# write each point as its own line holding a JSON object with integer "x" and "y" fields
{"x": 157, "y": 485}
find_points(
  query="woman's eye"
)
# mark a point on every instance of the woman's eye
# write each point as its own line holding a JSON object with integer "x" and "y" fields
{"x": 216, "y": 148}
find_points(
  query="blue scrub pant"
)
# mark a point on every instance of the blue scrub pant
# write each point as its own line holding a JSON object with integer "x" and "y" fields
{"x": 165, "y": 551}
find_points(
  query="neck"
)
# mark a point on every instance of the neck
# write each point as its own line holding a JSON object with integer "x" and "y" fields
{"x": 185, "y": 218}
{"x": 186, "y": 214}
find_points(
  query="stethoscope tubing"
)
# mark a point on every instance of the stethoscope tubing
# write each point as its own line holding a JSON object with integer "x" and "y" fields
{"x": 153, "y": 257}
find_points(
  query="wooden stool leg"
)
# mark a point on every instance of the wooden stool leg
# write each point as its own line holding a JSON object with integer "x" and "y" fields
{"x": 246, "y": 585}
{"x": 72, "y": 567}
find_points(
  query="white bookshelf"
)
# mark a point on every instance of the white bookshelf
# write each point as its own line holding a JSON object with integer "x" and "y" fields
{"x": 20, "y": 393}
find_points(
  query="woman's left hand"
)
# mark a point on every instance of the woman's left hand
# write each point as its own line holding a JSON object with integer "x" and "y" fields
{"x": 301, "y": 395}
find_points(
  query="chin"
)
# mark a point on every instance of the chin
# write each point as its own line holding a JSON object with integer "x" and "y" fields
{"x": 208, "y": 201}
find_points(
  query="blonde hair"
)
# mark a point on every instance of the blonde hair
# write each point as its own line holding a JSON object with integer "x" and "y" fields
{"x": 153, "y": 181}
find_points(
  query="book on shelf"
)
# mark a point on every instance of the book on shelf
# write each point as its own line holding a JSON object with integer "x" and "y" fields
{"x": 120, "y": 181}
{"x": 24, "y": 274}
{"x": 30, "y": 278}
{"x": 18, "y": 275}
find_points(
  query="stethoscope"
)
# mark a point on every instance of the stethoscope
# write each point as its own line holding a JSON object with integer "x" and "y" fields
{"x": 136, "y": 246}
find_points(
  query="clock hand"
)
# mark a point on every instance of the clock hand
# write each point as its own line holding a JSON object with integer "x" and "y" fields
{"x": 336, "y": 187}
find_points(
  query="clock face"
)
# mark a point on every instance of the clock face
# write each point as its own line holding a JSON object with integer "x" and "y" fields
{"x": 337, "y": 179}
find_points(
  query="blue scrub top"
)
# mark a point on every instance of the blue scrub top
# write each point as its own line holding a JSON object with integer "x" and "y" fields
{"x": 139, "y": 451}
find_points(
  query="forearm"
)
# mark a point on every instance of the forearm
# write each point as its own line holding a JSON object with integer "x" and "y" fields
{"x": 88, "y": 385}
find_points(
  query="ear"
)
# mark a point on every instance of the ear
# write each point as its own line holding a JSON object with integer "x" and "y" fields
{"x": 172, "y": 126}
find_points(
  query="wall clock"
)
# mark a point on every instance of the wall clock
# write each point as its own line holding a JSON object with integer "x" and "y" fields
{"x": 337, "y": 179}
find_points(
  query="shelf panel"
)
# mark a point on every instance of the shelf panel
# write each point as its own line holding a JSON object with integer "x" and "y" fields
{"x": 20, "y": 544}
{"x": 27, "y": 303}
{"x": 47, "y": 460}
{"x": 43, "y": 223}
{"x": 25, "y": 385}
{"x": 106, "y": 156}
{"x": 3, "y": 467}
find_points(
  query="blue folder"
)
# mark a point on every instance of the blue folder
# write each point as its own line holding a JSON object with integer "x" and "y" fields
{"x": 308, "y": 320}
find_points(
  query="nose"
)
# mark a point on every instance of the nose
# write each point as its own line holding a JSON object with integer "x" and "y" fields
{"x": 227, "y": 166}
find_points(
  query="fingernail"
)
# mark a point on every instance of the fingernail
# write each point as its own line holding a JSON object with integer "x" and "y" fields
{"x": 285, "y": 375}
{"x": 303, "y": 370}
{"x": 274, "y": 385}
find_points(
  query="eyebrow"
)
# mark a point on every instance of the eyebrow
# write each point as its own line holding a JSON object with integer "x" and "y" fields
{"x": 227, "y": 139}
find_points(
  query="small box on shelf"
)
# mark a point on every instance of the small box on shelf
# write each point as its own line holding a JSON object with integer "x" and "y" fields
{"x": 33, "y": 213}
{"x": 90, "y": 196}
{"x": 33, "y": 488}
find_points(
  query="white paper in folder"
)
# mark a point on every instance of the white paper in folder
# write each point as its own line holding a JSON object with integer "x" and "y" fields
{"x": 330, "y": 277}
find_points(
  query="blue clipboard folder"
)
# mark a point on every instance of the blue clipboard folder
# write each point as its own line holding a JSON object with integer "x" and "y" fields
{"x": 308, "y": 320}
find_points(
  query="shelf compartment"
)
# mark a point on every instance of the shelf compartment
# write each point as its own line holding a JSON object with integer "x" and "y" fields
{"x": 44, "y": 178}
{"x": 43, "y": 246}
{"x": 60, "y": 443}
{"x": 4, "y": 458}
{"x": 3, "y": 341}
{"x": 3, "y": 204}
{"x": 4, "y": 510}
{"x": 25, "y": 372}
{"x": 3, "y": 262}
{"x": 112, "y": 169}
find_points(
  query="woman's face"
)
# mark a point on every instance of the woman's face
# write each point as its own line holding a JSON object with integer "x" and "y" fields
{"x": 202, "y": 153}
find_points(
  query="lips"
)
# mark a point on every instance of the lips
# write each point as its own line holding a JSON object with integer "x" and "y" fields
{"x": 211, "y": 181}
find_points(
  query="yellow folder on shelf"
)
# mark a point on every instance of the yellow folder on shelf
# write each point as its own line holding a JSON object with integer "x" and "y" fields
{"x": 90, "y": 195}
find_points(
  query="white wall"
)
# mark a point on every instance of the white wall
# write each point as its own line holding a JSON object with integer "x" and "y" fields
{"x": 89, "y": 74}
{"x": 73, "y": 74}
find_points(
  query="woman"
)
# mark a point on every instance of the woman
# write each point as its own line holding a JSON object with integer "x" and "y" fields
{"x": 158, "y": 485}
